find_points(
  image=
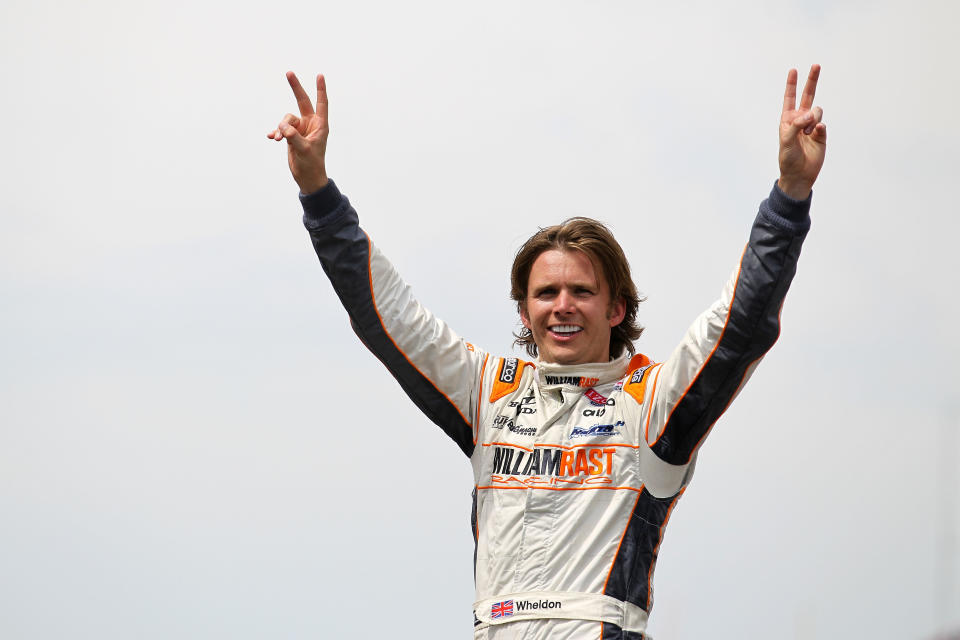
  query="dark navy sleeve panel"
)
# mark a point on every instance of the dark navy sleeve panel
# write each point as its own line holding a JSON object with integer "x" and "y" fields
{"x": 323, "y": 207}
{"x": 790, "y": 215}
{"x": 631, "y": 575}
{"x": 743, "y": 325}
{"x": 345, "y": 254}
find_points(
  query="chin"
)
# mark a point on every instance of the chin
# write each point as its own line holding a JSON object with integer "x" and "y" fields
{"x": 566, "y": 358}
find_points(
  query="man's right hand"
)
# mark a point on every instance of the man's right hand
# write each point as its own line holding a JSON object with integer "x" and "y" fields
{"x": 306, "y": 136}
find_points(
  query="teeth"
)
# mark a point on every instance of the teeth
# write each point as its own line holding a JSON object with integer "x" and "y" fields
{"x": 565, "y": 328}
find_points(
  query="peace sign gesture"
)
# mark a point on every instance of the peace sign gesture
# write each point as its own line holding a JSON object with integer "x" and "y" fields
{"x": 306, "y": 136}
{"x": 803, "y": 137}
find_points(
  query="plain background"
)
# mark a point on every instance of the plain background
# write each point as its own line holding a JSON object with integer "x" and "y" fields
{"x": 193, "y": 444}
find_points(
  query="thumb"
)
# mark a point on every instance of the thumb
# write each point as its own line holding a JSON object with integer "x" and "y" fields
{"x": 799, "y": 123}
{"x": 293, "y": 137}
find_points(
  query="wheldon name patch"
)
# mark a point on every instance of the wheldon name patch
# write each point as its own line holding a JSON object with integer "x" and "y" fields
{"x": 505, "y": 608}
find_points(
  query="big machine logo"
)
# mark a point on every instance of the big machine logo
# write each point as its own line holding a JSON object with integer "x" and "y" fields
{"x": 502, "y": 421}
{"x": 502, "y": 609}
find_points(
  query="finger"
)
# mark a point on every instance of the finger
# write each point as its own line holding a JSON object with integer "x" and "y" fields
{"x": 819, "y": 134}
{"x": 288, "y": 119}
{"x": 322, "y": 97}
{"x": 798, "y": 124}
{"x": 293, "y": 137}
{"x": 817, "y": 117}
{"x": 303, "y": 100}
{"x": 790, "y": 93}
{"x": 810, "y": 87}
{"x": 291, "y": 120}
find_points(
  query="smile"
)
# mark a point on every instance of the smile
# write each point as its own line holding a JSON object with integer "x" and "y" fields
{"x": 565, "y": 329}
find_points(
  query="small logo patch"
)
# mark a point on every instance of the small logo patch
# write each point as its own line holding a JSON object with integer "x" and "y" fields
{"x": 502, "y": 421}
{"x": 598, "y": 430}
{"x": 509, "y": 372}
{"x": 596, "y": 399}
{"x": 638, "y": 374}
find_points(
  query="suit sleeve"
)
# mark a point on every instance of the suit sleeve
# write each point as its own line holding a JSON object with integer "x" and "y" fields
{"x": 438, "y": 370}
{"x": 722, "y": 347}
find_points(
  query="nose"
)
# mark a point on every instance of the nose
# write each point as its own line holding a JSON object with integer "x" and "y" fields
{"x": 563, "y": 303}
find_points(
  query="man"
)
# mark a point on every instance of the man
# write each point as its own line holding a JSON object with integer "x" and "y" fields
{"x": 579, "y": 456}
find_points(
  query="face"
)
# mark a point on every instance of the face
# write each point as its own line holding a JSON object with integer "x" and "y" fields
{"x": 568, "y": 309}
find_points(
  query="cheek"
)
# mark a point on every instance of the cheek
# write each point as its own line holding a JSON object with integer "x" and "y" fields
{"x": 524, "y": 318}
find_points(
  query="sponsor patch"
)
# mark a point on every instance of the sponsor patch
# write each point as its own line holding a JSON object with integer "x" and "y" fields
{"x": 598, "y": 430}
{"x": 577, "y": 381}
{"x": 637, "y": 387}
{"x": 508, "y": 378}
{"x": 502, "y": 421}
{"x": 522, "y": 431}
{"x": 638, "y": 374}
{"x": 595, "y": 397}
{"x": 596, "y": 413}
{"x": 551, "y": 463}
{"x": 524, "y": 405}
{"x": 509, "y": 372}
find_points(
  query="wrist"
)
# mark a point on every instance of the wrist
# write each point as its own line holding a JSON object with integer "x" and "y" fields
{"x": 793, "y": 189}
{"x": 313, "y": 183}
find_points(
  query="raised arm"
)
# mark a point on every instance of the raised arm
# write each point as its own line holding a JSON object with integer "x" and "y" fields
{"x": 306, "y": 136}
{"x": 720, "y": 350}
{"x": 438, "y": 370}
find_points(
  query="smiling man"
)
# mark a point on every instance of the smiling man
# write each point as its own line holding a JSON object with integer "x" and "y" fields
{"x": 572, "y": 286}
{"x": 580, "y": 454}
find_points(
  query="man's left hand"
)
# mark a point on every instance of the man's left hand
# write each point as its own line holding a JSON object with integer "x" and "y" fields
{"x": 803, "y": 137}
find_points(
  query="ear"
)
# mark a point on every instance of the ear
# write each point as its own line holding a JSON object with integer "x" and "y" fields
{"x": 524, "y": 318}
{"x": 618, "y": 311}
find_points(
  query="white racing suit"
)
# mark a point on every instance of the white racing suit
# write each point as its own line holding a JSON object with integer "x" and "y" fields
{"x": 576, "y": 467}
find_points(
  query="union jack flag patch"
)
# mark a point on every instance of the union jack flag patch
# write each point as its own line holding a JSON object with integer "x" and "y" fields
{"x": 502, "y": 609}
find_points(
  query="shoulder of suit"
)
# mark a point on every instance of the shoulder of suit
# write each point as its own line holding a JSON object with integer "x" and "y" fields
{"x": 635, "y": 382}
{"x": 507, "y": 375}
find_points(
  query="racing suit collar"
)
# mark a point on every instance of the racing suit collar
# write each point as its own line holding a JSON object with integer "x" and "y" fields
{"x": 551, "y": 375}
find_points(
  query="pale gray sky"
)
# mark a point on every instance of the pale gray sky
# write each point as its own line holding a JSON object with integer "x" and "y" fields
{"x": 167, "y": 335}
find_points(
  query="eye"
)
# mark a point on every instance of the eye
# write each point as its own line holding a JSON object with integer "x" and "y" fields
{"x": 547, "y": 292}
